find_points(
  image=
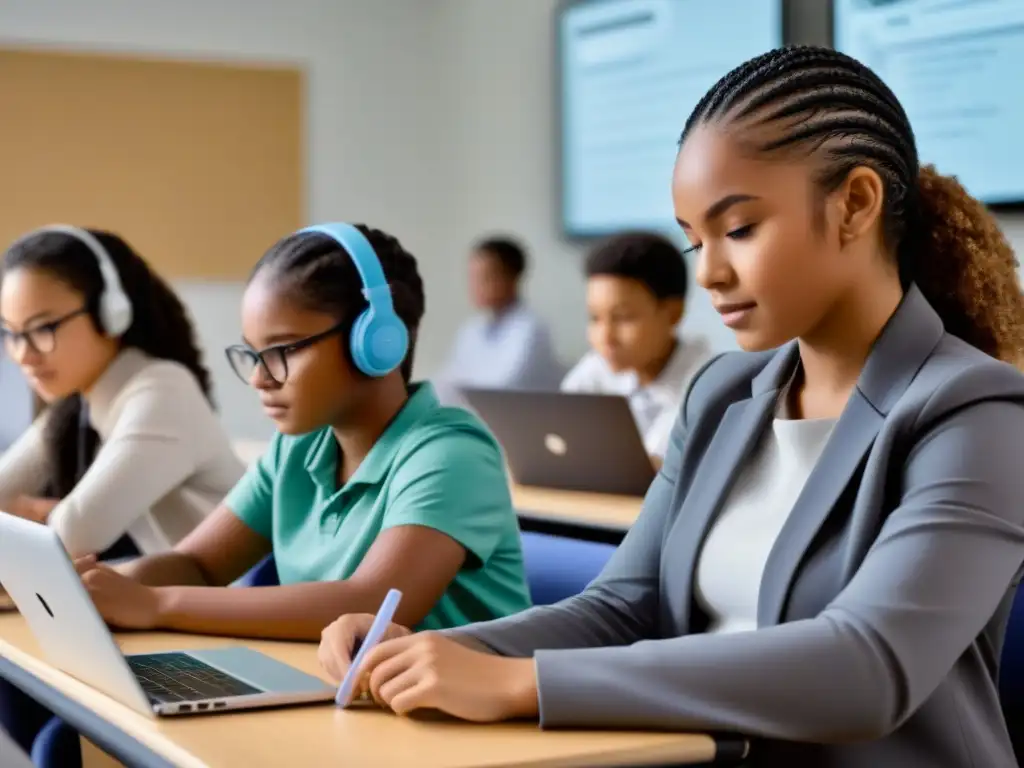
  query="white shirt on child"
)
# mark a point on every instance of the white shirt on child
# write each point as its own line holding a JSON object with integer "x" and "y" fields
{"x": 510, "y": 351}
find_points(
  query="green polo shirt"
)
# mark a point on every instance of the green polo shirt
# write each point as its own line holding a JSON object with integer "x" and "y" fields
{"x": 433, "y": 466}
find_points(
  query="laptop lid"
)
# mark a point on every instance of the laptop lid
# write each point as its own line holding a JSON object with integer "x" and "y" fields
{"x": 40, "y": 578}
{"x": 568, "y": 441}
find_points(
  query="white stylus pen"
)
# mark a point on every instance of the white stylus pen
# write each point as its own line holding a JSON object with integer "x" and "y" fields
{"x": 377, "y": 629}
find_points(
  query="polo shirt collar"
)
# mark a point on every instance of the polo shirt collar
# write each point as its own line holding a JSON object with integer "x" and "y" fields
{"x": 322, "y": 459}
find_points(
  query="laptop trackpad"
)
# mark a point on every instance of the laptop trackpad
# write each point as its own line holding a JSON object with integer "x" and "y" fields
{"x": 260, "y": 671}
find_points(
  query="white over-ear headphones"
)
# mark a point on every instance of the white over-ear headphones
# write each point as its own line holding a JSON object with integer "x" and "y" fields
{"x": 115, "y": 308}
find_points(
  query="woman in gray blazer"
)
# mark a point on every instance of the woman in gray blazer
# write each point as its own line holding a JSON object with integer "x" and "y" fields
{"x": 827, "y": 558}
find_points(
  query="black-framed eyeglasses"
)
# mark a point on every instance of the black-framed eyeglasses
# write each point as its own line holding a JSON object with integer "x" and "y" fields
{"x": 42, "y": 339}
{"x": 244, "y": 359}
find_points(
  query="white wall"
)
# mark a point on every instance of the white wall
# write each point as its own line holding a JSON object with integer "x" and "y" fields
{"x": 370, "y": 116}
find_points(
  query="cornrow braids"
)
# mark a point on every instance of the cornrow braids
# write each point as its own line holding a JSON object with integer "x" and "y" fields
{"x": 318, "y": 273}
{"x": 161, "y": 327}
{"x": 829, "y": 106}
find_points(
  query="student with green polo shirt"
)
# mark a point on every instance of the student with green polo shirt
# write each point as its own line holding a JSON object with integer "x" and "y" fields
{"x": 369, "y": 484}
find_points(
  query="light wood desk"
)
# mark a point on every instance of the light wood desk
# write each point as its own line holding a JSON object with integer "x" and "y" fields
{"x": 555, "y": 509}
{"x": 319, "y": 735}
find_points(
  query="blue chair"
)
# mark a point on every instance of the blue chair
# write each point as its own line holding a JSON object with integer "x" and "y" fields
{"x": 263, "y": 574}
{"x": 558, "y": 567}
{"x": 1011, "y": 674}
{"x": 57, "y": 744}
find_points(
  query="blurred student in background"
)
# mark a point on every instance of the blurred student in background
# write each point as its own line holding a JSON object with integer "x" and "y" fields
{"x": 129, "y": 455}
{"x": 506, "y": 345}
{"x": 636, "y": 296}
{"x": 370, "y": 483}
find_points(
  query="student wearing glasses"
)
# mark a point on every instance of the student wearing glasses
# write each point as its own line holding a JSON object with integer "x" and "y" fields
{"x": 369, "y": 484}
{"x": 129, "y": 445}
{"x": 129, "y": 455}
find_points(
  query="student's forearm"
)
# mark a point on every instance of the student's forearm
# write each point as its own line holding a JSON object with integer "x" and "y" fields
{"x": 294, "y": 612}
{"x": 164, "y": 570}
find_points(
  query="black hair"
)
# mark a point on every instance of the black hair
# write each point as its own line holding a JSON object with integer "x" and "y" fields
{"x": 161, "y": 328}
{"x": 648, "y": 258}
{"x": 510, "y": 254}
{"x": 318, "y": 273}
{"x": 829, "y": 106}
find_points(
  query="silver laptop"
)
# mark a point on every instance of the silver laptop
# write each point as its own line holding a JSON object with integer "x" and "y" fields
{"x": 569, "y": 441}
{"x": 42, "y": 581}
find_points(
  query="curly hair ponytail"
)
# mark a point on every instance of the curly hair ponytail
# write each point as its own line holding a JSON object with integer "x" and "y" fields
{"x": 960, "y": 259}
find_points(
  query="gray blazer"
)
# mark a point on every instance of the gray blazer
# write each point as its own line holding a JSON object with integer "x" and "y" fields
{"x": 883, "y": 602}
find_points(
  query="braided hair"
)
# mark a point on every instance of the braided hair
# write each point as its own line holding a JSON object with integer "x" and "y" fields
{"x": 318, "y": 273}
{"x": 160, "y": 327}
{"x": 829, "y": 106}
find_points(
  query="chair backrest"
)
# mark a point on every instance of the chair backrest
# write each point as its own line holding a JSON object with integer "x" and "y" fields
{"x": 263, "y": 574}
{"x": 1011, "y": 674}
{"x": 558, "y": 567}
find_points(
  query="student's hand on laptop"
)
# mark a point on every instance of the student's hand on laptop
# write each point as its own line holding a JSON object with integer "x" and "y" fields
{"x": 339, "y": 642}
{"x": 122, "y": 602}
{"x": 431, "y": 671}
{"x": 31, "y": 508}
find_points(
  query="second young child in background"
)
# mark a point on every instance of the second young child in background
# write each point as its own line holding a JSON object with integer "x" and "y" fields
{"x": 636, "y": 296}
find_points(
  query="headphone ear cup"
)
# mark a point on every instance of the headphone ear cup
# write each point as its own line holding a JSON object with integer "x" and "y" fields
{"x": 378, "y": 345}
{"x": 116, "y": 313}
{"x": 357, "y": 343}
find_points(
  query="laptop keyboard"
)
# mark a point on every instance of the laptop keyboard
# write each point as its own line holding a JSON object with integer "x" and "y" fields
{"x": 171, "y": 677}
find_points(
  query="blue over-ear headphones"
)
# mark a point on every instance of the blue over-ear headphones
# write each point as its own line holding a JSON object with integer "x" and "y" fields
{"x": 379, "y": 339}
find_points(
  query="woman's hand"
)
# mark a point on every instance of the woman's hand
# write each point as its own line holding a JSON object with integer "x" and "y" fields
{"x": 31, "y": 508}
{"x": 122, "y": 602}
{"x": 431, "y": 671}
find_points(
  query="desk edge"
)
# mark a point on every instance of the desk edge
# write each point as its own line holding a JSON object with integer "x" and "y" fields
{"x": 94, "y": 727}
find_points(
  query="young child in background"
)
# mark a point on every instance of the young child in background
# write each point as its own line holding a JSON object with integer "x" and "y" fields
{"x": 506, "y": 345}
{"x": 636, "y": 296}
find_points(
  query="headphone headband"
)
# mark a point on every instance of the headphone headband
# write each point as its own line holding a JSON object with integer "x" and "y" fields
{"x": 376, "y": 290}
{"x": 379, "y": 339}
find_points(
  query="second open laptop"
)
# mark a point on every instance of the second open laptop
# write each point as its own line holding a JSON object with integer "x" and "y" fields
{"x": 42, "y": 581}
{"x": 568, "y": 441}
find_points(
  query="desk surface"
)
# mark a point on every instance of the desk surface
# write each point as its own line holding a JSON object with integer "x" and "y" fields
{"x": 596, "y": 510}
{"x": 324, "y": 735}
